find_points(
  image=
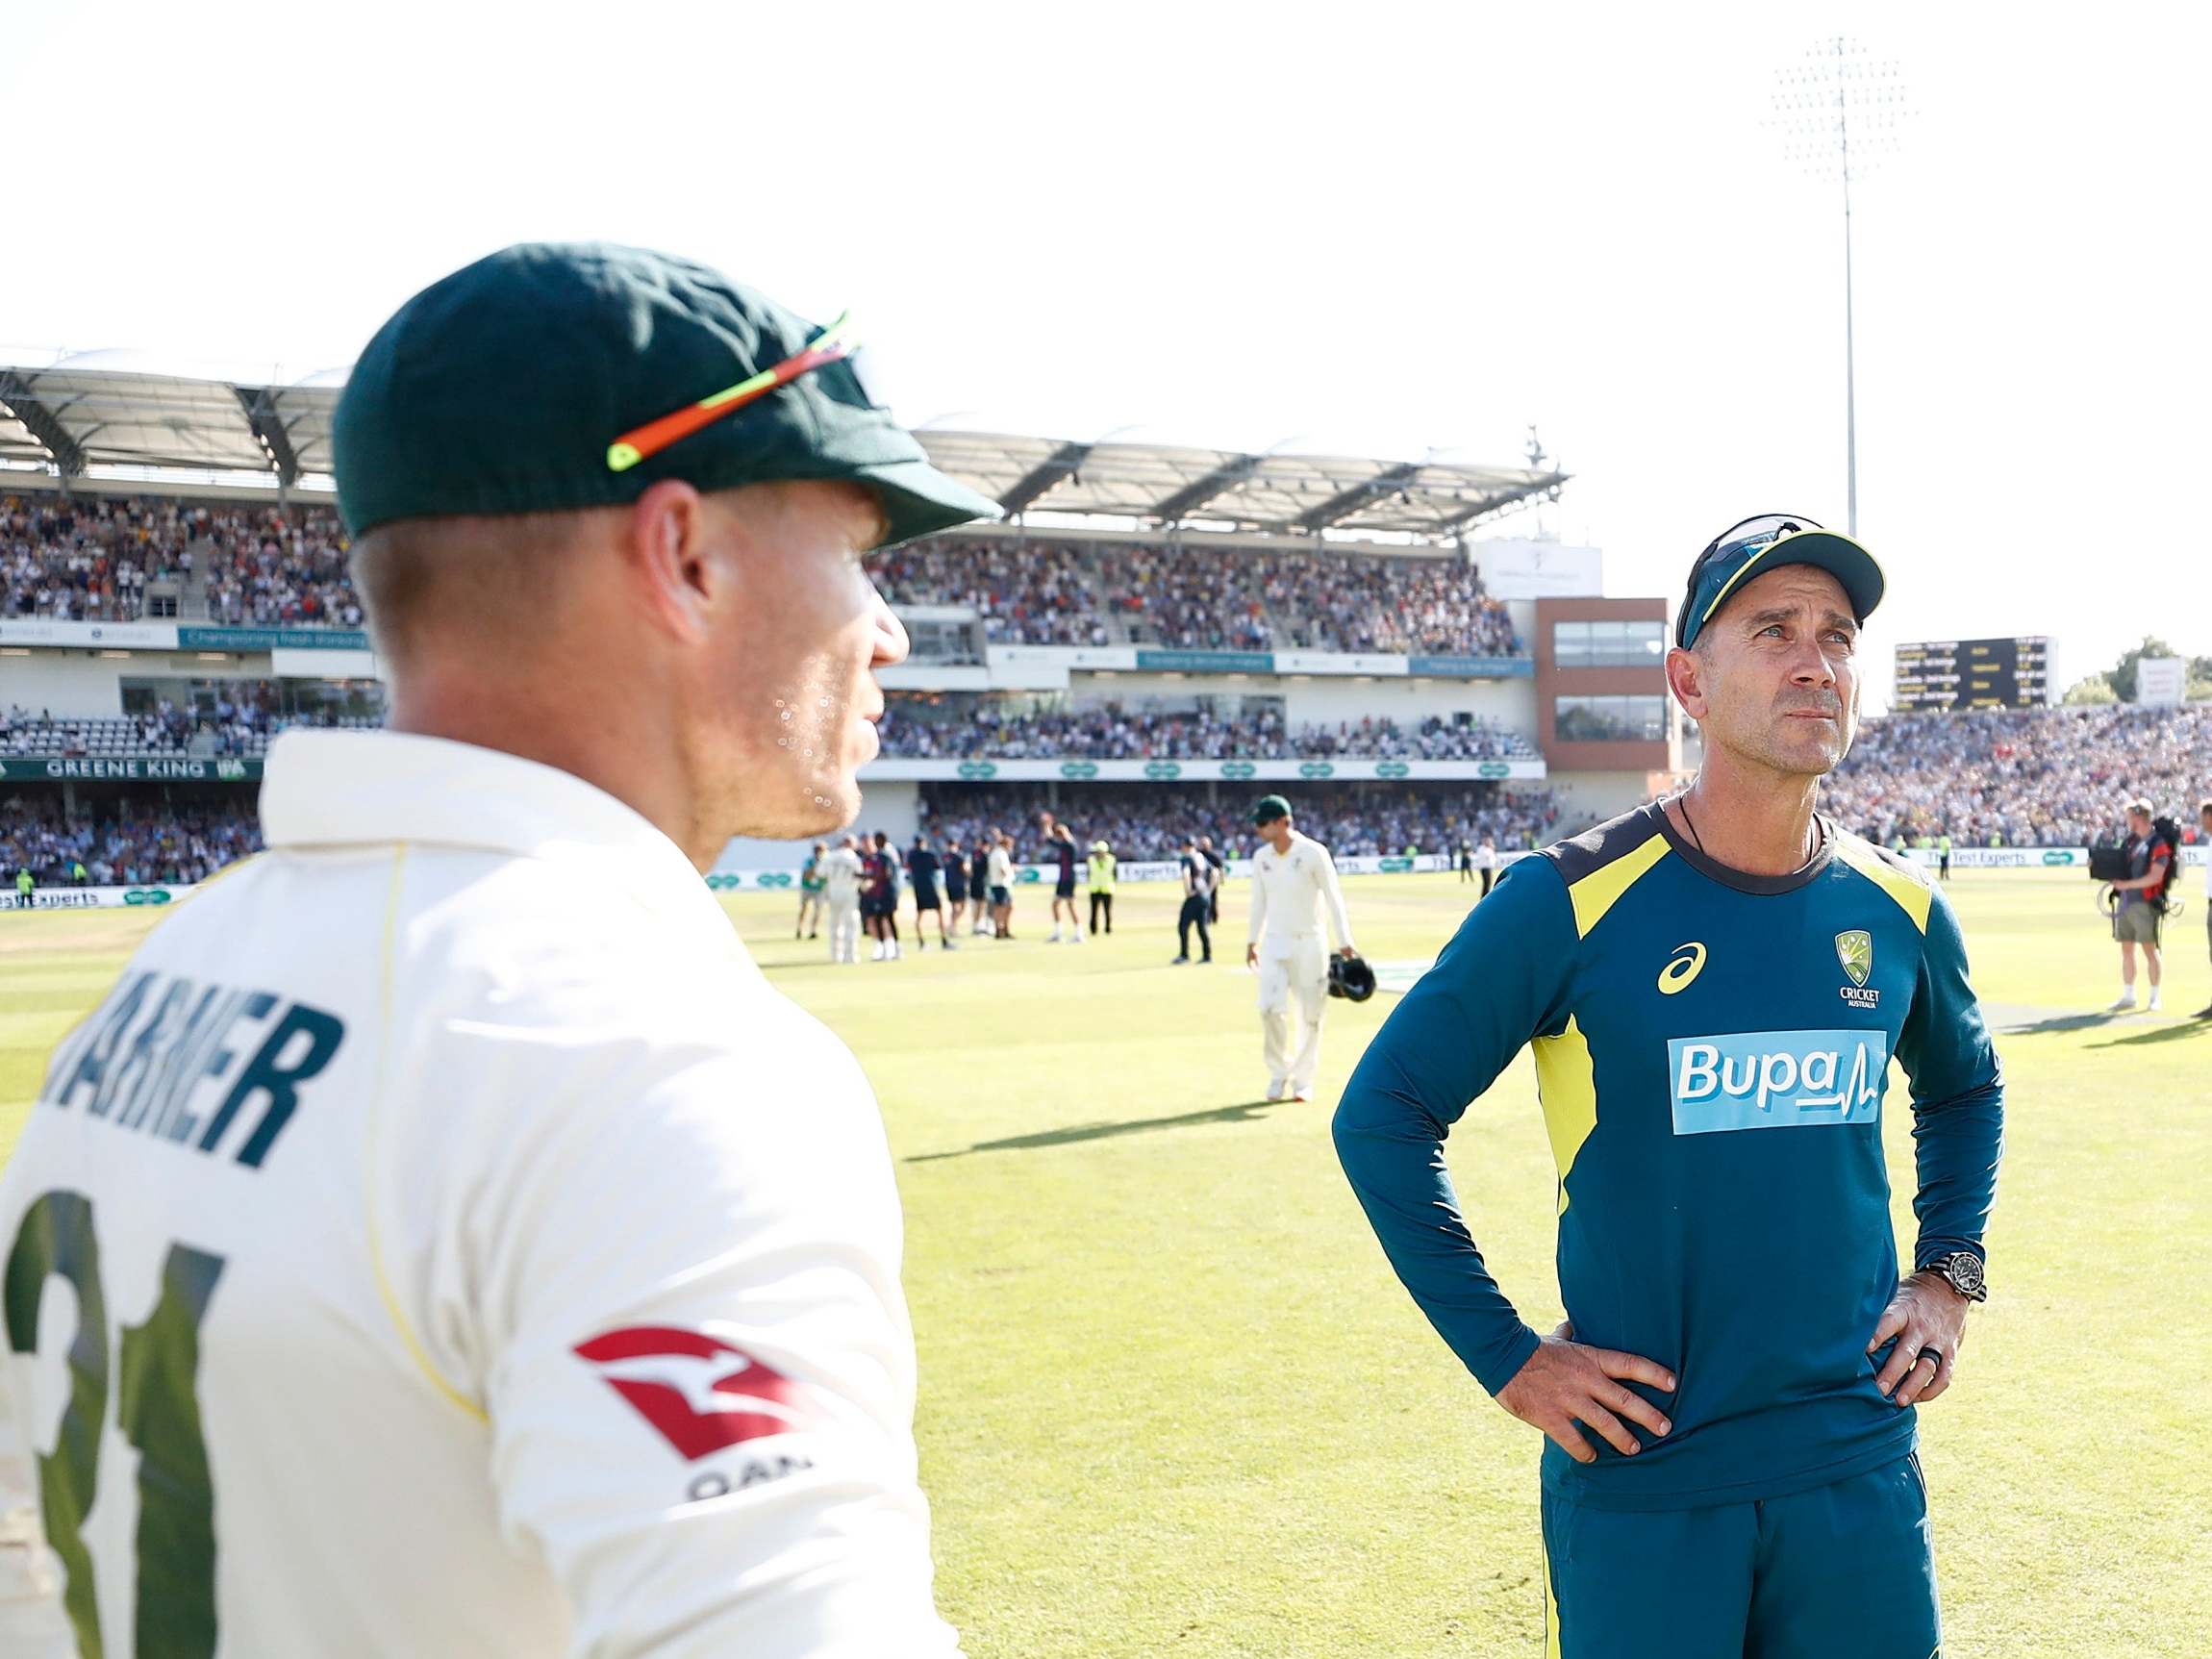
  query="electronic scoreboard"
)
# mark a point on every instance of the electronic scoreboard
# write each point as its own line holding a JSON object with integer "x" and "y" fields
{"x": 1973, "y": 674}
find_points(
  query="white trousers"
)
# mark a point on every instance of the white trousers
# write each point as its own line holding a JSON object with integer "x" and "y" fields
{"x": 844, "y": 929}
{"x": 1293, "y": 983}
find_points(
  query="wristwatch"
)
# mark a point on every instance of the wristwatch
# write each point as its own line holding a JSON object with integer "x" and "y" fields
{"x": 1961, "y": 1269}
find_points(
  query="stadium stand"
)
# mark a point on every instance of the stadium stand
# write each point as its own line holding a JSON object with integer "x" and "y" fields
{"x": 1042, "y": 592}
{"x": 2021, "y": 777}
{"x": 227, "y": 717}
{"x": 123, "y": 841}
{"x": 94, "y": 559}
{"x": 1145, "y": 822}
{"x": 963, "y": 728}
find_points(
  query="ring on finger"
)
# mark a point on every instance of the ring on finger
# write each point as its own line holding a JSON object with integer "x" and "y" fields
{"x": 1934, "y": 1357}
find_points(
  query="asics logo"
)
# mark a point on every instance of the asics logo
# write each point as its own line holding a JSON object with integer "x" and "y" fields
{"x": 1684, "y": 965}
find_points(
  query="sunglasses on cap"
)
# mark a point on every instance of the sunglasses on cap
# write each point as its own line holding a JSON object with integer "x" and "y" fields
{"x": 840, "y": 339}
{"x": 1744, "y": 537}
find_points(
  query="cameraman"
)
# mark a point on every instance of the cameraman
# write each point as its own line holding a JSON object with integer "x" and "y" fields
{"x": 2141, "y": 891}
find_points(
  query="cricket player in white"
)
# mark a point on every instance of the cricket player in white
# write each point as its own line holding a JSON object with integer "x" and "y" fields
{"x": 840, "y": 877}
{"x": 1294, "y": 887}
{"x": 441, "y": 1242}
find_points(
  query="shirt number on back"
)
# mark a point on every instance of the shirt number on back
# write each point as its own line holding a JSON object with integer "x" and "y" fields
{"x": 159, "y": 1411}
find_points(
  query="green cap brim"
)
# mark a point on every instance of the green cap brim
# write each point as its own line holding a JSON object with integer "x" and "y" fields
{"x": 919, "y": 500}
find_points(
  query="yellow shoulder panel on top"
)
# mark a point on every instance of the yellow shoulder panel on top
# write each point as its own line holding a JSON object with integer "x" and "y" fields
{"x": 1911, "y": 891}
{"x": 1596, "y": 892}
{"x": 1567, "y": 1087}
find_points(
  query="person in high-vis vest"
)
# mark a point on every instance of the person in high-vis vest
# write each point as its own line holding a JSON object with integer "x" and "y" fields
{"x": 25, "y": 885}
{"x": 442, "y": 1241}
{"x": 1101, "y": 863}
{"x": 1295, "y": 895}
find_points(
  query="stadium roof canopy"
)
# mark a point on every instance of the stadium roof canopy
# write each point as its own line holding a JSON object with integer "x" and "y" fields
{"x": 92, "y": 417}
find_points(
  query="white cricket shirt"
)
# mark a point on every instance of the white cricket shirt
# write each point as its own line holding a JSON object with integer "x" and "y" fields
{"x": 1292, "y": 892}
{"x": 840, "y": 871}
{"x": 442, "y": 1242}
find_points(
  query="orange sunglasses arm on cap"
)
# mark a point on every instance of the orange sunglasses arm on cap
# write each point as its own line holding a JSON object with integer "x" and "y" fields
{"x": 639, "y": 443}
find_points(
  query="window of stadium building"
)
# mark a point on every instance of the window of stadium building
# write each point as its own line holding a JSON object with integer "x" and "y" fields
{"x": 1608, "y": 644}
{"x": 1609, "y": 719}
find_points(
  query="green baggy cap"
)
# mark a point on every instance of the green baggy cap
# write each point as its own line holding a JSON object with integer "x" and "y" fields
{"x": 503, "y": 387}
{"x": 1268, "y": 808}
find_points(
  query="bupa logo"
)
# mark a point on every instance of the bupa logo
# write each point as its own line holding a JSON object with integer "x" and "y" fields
{"x": 700, "y": 1394}
{"x": 1079, "y": 768}
{"x": 978, "y": 769}
{"x": 1238, "y": 768}
{"x": 1493, "y": 769}
{"x": 1392, "y": 768}
{"x": 1161, "y": 770}
{"x": 1316, "y": 769}
{"x": 1776, "y": 1079}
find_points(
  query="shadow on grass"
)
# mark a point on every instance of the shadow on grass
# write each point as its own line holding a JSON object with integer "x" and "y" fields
{"x": 2161, "y": 1034}
{"x": 1244, "y": 1112}
{"x": 2062, "y": 1023}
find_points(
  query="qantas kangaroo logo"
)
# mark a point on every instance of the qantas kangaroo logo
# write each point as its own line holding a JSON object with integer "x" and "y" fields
{"x": 701, "y": 1393}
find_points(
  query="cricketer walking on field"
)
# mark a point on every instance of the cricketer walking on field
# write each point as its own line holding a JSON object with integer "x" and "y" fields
{"x": 1714, "y": 987}
{"x": 442, "y": 1242}
{"x": 1295, "y": 896}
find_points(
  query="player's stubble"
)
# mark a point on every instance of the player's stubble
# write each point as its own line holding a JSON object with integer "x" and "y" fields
{"x": 792, "y": 698}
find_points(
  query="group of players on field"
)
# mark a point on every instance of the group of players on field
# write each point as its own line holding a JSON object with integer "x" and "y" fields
{"x": 857, "y": 884}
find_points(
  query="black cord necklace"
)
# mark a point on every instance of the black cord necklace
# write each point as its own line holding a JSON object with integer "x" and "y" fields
{"x": 1682, "y": 802}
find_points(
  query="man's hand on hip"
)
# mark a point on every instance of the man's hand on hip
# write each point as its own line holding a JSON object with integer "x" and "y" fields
{"x": 1928, "y": 1319}
{"x": 1564, "y": 1381}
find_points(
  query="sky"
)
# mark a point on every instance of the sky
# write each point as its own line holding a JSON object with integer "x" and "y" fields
{"x": 1388, "y": 229}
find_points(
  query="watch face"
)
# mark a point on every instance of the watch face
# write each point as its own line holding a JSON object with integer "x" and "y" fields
{"x": 1965, "y": 1272}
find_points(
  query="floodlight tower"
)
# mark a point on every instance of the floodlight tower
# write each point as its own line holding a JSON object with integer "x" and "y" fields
{"x": 1837, "y": 112}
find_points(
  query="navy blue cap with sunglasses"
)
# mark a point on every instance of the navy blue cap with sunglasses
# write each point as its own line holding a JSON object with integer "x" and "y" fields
{"x": 1768, "y": 542}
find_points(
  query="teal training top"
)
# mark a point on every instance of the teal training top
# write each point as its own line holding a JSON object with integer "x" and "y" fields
{"x": 1712, "y": 1051}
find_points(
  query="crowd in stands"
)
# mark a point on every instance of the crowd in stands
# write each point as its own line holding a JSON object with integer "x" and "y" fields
{"x": 276, "y": 566}
{"x": 1186, "y": 598}
{"x": 1044, "y": 593}
{"x": 2021, "y": 777}
{"x": 121, "y": 842}
{"x": 1035, "y": 595}
{"x": 978, "y": 728}
{"x": 90, "y": 558}
{"x": 1144, "y": 823}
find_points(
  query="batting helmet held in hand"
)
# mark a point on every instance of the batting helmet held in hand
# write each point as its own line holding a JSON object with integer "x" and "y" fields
{"x": 1351, "y": 978}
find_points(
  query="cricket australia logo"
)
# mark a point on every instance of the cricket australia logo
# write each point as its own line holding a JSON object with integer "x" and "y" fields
{"x": 1855, "y": 951}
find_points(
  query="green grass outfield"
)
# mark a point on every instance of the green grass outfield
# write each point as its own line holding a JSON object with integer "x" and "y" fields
{"x": 1174, "y": 1402}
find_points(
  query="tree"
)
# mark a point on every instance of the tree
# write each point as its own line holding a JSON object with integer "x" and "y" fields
{"x": 2096, "y": 688}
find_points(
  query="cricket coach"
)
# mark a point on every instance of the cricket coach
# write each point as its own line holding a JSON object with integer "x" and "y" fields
{"x": 1714, "y": 985}
{"x": 498, "y": 1265}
